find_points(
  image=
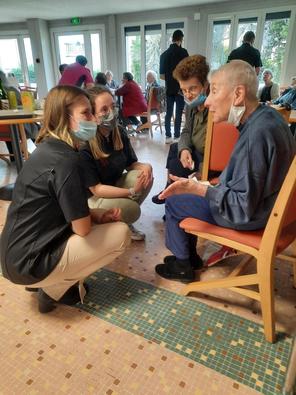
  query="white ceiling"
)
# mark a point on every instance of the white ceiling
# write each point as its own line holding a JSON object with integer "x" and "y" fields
{"x": 20, "y": 10}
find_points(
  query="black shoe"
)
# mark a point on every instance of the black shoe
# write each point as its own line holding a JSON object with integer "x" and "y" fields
{"x": 163, "y": 218}
{"x": 156, "y": 200}
{"x": 70, "y": 298}
{"x": 196, "y": 262}
{"x": 176, "y": 270}
{"x": 29, "y": 289}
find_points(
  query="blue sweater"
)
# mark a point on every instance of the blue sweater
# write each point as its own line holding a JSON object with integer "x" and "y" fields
{"x": 249, "y": 185}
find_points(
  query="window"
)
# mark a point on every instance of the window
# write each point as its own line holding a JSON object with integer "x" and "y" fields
{"x": 275, "y": 35}
{"x": 88, "y": 40}
{"x": 220, "y": 43}
{"x": 20, "y": 59}
{"x": 133, "y": 51}
{"x": 147, "y": 42}
{"x": 245, "y": 25}
{"x": 152, "y": 47}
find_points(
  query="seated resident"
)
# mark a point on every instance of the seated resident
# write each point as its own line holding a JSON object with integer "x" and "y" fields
{"x": 133, "y": 101}
{"x": 270, "y": 90}
{"x": 185, "y": 157}
{"x": 113, "y": 174}
{"x": 48, "y": 242}
{"x": 101, "y": 79}
{"x": 110, "y": 81}
{"x": 77, "y": 74}
{"x": 151, "y": 78}
{"x": 249, "y": 184}
{"x": 288, "y": 96}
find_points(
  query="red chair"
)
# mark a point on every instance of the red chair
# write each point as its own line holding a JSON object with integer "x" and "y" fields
{"x": 153, "y": 109}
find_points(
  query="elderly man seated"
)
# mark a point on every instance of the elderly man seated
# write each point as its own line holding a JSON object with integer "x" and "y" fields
{"x": 249, "y": 184}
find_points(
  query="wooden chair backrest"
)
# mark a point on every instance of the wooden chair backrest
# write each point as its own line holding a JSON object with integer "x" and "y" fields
{"x": 220, "y": 140}
{"x": 5, "y": 134}
{"x": 282, "y": 220}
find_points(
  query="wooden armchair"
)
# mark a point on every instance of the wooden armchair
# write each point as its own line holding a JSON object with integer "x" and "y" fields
{"x": 264, "y": 245}
{"x": 5, "y": 135}
{"x": 153, "y": 109}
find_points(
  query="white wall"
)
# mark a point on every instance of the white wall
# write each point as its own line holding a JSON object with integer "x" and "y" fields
{"x": 196, "y": 34}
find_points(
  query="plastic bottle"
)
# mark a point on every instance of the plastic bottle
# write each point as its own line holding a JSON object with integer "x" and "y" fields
{"x": 12, "y": 99}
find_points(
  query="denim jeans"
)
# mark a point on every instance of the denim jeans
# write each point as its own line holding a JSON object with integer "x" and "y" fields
{"x": 178, "y": 207}
{"x": 179, "y": 100}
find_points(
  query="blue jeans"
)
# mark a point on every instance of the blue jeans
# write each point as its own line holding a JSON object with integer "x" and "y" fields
{"x": 177, "y": 208}
{"x": 171, "y": 99}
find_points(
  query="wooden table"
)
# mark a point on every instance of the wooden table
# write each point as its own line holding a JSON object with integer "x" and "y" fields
{"x": 15, "y": 118}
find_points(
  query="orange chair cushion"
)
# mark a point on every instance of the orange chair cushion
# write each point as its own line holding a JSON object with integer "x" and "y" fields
{"x": 249, "y": 238}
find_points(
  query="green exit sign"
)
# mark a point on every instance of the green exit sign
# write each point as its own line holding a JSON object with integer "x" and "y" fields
{"x": 75, "y": 21}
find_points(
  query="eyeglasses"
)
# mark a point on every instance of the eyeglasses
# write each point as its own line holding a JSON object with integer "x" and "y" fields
{"x": 192, "y": 90}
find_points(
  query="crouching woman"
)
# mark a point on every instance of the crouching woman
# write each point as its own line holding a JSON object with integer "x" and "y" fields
{"x": 51, "y": 240}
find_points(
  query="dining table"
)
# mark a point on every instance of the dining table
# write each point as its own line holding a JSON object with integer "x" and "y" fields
{"x": 15, "y": 118}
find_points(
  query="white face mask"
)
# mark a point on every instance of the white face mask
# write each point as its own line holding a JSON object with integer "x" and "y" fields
{"x": 235, "y": 114}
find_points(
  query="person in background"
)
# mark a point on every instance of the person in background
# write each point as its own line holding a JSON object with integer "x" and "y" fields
{"x": 51, "y": 240}
{"x": 288, "y": 97}
{"x": 133, "y": 101}
{"x": 62, "y": 67}
{"x": 168, "y": 61}
{"x": 270, "y": 90}
{"x": 247, "y": 52}
{"x": 151, "y": 78}
{"x": 77, "y": 74}
{"x": 248, "y": 186}
{"x": 110, "y": 81}
{"x": 113, "y": 173}
{"x": 185, "y": 157}
{"x": 101, "y": 79}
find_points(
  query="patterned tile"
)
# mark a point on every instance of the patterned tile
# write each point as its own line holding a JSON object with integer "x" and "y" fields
{"x": 221, "y": 341}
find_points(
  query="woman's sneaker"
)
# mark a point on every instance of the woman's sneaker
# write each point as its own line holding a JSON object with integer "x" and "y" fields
{"x": 136, "y": 234}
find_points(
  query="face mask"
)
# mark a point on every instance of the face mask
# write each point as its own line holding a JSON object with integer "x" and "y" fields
{"x": 198, "y": 101}
{"x": 86, "y": 130}
{"x": 235, "y": 114}
{"x": 108, "y": 120}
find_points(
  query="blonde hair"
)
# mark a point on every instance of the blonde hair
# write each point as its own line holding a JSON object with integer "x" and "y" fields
{"x": 57, "y": 109}
{"x": 96, "y": 144}
{"x": 239, "y": 72}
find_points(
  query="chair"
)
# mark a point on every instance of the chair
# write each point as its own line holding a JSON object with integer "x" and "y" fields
{"x": 264, "y": 245}
{"x": 220, "y": 140}
{"x": 153, "y": 108}
{"x": 5, "y": 135}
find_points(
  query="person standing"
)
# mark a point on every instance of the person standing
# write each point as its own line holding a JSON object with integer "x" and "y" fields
{"x": 247, "y": 52}
{"x": 77, "y": 74}
{"x": 168, "y": 61}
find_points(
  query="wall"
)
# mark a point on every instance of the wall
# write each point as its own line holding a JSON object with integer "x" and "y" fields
{"x": 196, "y": 34}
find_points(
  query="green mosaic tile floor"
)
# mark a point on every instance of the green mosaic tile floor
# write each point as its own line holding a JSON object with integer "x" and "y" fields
{"x": 229, "y": 344}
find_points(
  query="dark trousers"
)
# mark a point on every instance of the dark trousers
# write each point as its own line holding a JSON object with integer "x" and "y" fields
{"x": 178, "y": 207}
{"x": 174, "y": 165}
{"x": 171, "y": 100}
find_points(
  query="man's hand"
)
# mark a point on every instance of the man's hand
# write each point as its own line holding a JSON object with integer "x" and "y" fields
{"x": 183, "y": 185}
{"x": 186, "y": 159}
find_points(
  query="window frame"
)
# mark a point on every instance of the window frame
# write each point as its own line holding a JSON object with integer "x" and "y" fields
{"x": 86, "y": 31}
{"x": 19, "y": 36}
{"x": 260, "y": 14}
{"x": 142, "y": 24}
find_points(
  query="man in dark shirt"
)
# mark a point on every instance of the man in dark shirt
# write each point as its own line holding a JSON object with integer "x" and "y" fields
{"x": 247, "y": 52}
{"x": 168, "y": 61}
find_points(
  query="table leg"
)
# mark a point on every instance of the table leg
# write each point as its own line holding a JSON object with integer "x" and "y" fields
{"x": 15, "y": 141}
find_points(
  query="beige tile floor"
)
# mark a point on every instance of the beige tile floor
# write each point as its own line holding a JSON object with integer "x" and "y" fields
{"x": 75, "y": 353}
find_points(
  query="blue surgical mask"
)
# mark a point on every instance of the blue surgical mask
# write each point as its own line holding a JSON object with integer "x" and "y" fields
{"x": 86, "y": 130}
{"x": 197, "y": 101}
{"x": 235, "y": 114}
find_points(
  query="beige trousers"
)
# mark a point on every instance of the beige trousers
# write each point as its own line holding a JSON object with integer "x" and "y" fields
{"x": 83, "y": 256}
{"x": 130, "y": 209}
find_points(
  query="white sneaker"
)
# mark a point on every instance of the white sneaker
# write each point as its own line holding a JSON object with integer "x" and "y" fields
{"x": 168, "y": 140}
{"x": 176, "y": 139}
{"x": 136, "y": 234}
